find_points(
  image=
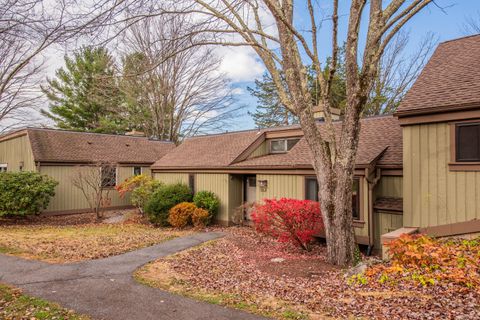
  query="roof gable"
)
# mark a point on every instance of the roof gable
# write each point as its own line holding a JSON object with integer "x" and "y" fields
{"x": 449, "y": 81}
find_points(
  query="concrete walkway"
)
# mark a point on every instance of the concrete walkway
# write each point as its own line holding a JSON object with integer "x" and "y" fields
{"x": 105, "y": 288}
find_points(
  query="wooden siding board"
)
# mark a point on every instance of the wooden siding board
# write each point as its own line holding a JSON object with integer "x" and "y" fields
{"x": 68, "y": 197}
{"x": 217, "y": 183}
{"x": 434, "y": 195}
{"x": 260, "y": 151}
{"x": 171, "y": 178}
{"x": 16, "y": 150}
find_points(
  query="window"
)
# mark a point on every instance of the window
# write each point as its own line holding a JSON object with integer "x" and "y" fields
{"x": 3, "y": 167}
{"x": 467, "y": 142}
{"x": 282, "y": 145}
{"x": 356, "y": 199}
{"x": 109, "y": 176}
{"x": 191, "y": 182}
{"x": 137, "y": 171}
{"x": 20, "y": 166}
{"x": 311, "y": 189}
{"x": 311, "y": 193}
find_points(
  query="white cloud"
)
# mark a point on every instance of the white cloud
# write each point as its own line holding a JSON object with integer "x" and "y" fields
{"x": 238, "y": 91}
{"x": 240, "y": 64}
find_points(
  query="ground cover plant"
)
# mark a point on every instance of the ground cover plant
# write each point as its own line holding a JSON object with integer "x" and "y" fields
{"x": 64, "y": 242}
{"x": 256, "y": 273}
{"x": 15, "y": 305}
{"x": 25, "y": 193}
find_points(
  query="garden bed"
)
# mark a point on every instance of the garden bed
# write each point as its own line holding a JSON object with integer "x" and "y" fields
{"x": 247, "y": 271}
{"x": 14, "y": 306}
{"x": 63, "y": 239}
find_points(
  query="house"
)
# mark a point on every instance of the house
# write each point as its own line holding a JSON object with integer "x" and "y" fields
{"x": 60, "y": 154}
{"x": 249, "y": 166}
{"x": 418, "y": 170}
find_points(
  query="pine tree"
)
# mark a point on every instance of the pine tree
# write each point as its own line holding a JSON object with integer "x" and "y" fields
{"x": 84, "y": 95}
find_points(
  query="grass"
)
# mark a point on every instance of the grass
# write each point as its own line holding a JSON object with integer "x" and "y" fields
{"x": 15, "y": 305}
{"x": 61, "y": 244}
{"x": 158, "y": 274}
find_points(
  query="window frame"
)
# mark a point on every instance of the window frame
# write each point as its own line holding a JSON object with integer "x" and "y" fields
{"x": 141, "y": 171}
{"x": 3, "y": 167}
{"x": 358, "y": 221}
{"x": 115, "y": 182}
{"x": 285, "y": 144}
{"x": 454, "y": 164}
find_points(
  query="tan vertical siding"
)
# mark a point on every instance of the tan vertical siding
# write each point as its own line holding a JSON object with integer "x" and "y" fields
{"x": 434, "y": 195}
{"x": 386, "y": 223}
{"x": 170, "y": 178}
{"x": 68, "y": 197}
{"x": 390, "y": 186}
{"x": 260, "y": 151}
{"x": 217, "y": 183}
{"x": 16, "y": 150}
{"x": 281, "y": 186}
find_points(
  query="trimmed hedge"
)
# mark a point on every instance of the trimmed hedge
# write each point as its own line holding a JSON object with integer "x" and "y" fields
{"x": 209, "y": 201}
{"x": 25, "y": 193}
{"x": 165, "y": 198}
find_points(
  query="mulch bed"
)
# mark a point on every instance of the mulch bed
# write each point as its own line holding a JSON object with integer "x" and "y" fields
{"x": 241, "y": 264}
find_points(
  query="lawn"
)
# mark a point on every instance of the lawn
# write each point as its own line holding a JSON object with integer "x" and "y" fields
{"x": 15, "y": 306}
{"x": 256, "y": 274}
{"x": 70, "y": 239}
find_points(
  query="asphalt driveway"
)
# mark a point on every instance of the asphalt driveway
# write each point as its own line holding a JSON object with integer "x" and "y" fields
{"x": 105, "y": 288}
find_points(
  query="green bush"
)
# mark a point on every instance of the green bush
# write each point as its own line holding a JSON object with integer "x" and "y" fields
{"x": 165, "y": 198}
{"x": 25, "y": 193}
{"x": 209, "y": 201}
{"x": 181, "y": 215}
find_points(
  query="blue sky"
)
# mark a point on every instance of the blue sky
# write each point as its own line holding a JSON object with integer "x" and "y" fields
{"x": 445, "y": 24}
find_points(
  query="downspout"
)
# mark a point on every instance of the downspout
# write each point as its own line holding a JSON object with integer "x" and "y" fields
{"x": 371, "y": 185}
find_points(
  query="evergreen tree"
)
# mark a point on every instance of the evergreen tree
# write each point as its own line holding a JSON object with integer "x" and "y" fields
{"x": 84, "y": 95}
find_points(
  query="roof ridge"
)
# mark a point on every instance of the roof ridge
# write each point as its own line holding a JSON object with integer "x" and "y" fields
{"x": 461, "y": 38}
{"x": 93, "y": 133}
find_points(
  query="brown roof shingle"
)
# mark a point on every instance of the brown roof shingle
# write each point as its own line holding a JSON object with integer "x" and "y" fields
{"x": 450, "y": 80}
{"x": 51, "y": 145}
{"x": 378, "y": 134}
{"x": 211, "y": 151}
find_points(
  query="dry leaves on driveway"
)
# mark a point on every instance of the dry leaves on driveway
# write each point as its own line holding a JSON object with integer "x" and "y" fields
{"x": 238, "y": 271}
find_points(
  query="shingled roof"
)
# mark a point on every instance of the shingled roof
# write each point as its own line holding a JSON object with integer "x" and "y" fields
{"x": 449, "y": 81}
{"x": 379, "y": 137}
{"x": 50, "y": 145}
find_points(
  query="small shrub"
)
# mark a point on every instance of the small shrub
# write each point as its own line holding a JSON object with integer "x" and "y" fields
{"x": 25, "y": 193}
{"x": 165, "y": 198}
{"x": 209, "y": 201}
{"x": 427, "y": 261}
{"x": 181, "y": 215}
{"x": 141, "y": 188}
{"x": 289, "y": 220}
{"x": 201, "y": 218}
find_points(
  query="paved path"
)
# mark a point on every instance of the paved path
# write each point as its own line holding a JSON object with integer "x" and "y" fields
{"x": 105, "y": 288}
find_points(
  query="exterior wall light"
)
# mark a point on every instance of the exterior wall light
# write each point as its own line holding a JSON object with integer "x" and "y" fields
{"x": 263, "y": 184}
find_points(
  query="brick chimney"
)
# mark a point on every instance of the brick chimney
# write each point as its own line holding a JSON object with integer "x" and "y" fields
{"x": 319, "y": 114}
{"x": 135, "y": 133}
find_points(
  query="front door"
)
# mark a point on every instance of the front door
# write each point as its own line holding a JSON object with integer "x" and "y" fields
{"x": 250, "y": 193}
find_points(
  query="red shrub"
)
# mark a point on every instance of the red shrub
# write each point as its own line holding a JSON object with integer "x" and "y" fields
{"x": 289, "y": 220}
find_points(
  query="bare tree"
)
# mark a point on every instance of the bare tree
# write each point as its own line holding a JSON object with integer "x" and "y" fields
{"x": 173, "y": 90}
{"x": 286, "y": 46}
{"x": 397, "y": 72}
{"x": 472, "y": 24}
{"x": 95, "y": 182}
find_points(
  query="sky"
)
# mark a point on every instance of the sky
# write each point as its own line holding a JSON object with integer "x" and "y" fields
{"x": 444, "y": 21}
{"x": 446, "y": 24}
